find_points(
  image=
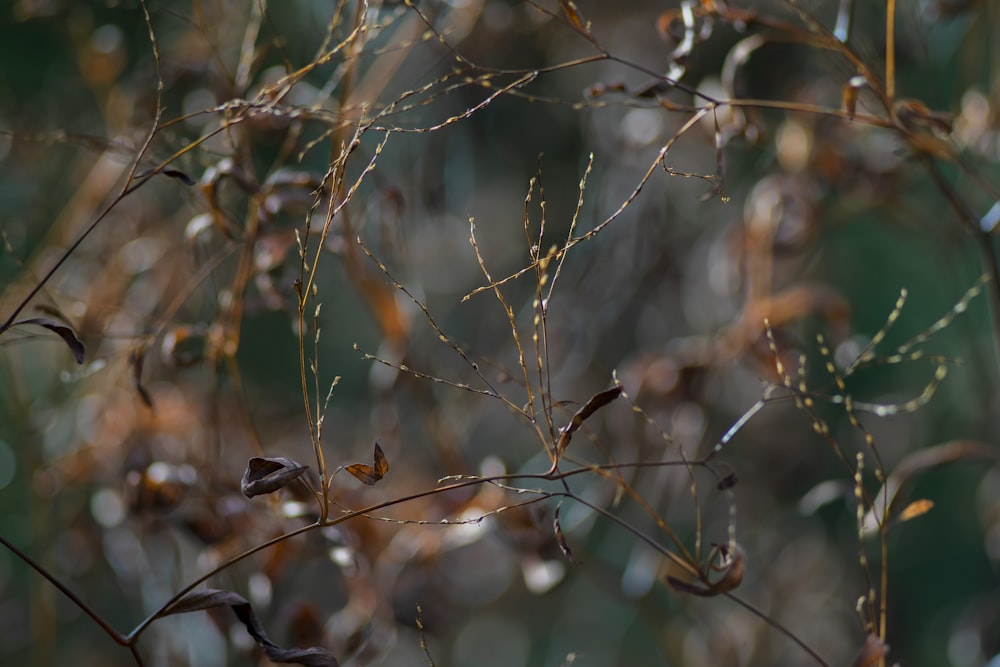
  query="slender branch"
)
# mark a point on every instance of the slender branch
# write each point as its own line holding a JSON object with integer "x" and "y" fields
{"x": 118, "y": 638}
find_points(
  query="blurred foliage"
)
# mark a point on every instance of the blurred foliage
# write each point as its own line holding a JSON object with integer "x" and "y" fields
{"x": 256, "y": 219}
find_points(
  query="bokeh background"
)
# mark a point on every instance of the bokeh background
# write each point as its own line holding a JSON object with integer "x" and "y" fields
{"x": 123, "y": 478}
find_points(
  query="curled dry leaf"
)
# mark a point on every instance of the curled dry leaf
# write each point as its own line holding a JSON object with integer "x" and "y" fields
{"x": 369, "y": 474}
{"x": 730, "y": 562}
{"x": 596, "y": 402}
{"x": 212, "y": 598}
{"x": 63, "y": 331}
{"x": 561, "y": 538}
{"x": 267, "y": 475}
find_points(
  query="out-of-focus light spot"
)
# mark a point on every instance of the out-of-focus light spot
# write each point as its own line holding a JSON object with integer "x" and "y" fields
{"x": 158, "y": 472}
{"x": 662, "y": 375}
{"x": 823, "y": 494}
{"x": 642, "y": 127}
{"x": 107, "y": 39}
{"x": 491, "y": 467}
{"x": 199, "y": 224}
{"x": 259, "y": 588}
{"x": 990, "y": 221}
{"x": 541, "y": 576}
{"x": 973, "y": 121}
{"x": 342, "y": 556}
{"x": 187, "y": 474}
{"x": 293, "y": 509}
{"x": 80, "y": 373}
{"x": 794, "y": 143}
{"x": 848, "y": 351}
{"x": 107, "y": 508}
{"x": 640, "y": 572}
{"x": 964, "y": 647}
{"x": 208, "y": 559}
{"x": 467, "y": 528}
{"x": 333, "y": 534}
{"x": 141, "y": 254}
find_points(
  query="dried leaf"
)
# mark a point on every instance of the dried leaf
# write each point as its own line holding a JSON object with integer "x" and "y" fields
{"x": 914, "y": 115}
{"x": 727, "y": 482}
{"x": 653, "y": 89}
{"x": 849, "y": 94}
{"x": 731, "y": 563}
{"x": 267, "y": 475}
{"x": 573, "y": 14}
{"x": 370, "y": 474}
{"x": 891, "y": 493}
{"x": 561, "y": 539}
{"x": 916, "y": 508}
{"x": 136, "y": 360}
{"x": 63, "y": 331}
{"x": 596, "y": 402}
{"x": 179, "y": 175}
{"x": 212, "y": 598}
{"x": 926, "y": 131}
